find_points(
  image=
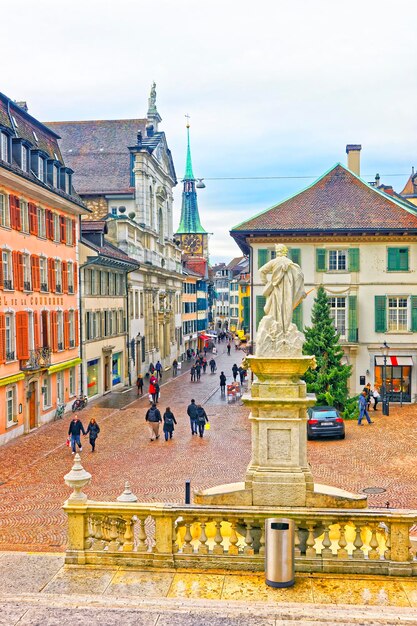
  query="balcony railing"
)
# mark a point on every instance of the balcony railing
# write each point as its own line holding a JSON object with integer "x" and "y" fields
{"x": 27, "y": 286}
{"x": 348, "y": 335}
{"x": 70, "y": 289}
{"x": 72, "y": 343}
{"x": 60, "y": 345}
{"x": 363, "y": 541}
{"x": 44, "y": 287}
{"x": 8, "y": 285}
{"x": 58, "y": 289}
{"x": 38, "y": 359}
{"x": 9, "y": 356}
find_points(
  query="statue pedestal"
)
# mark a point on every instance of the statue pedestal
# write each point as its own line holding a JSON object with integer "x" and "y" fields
{"x": 278, "y": 473}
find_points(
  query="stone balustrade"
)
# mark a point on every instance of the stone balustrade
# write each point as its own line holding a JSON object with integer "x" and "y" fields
{"x": 361, "y": 541}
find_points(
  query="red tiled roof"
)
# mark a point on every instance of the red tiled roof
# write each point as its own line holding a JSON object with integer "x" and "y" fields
{"x": 338, "y": 201}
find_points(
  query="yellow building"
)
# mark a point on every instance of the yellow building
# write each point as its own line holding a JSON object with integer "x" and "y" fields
{"x": 244, "y": 302}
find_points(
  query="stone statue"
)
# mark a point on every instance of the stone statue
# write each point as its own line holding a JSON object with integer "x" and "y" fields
{"x": 284, "y": 290}
{"x": 152, "y": 98}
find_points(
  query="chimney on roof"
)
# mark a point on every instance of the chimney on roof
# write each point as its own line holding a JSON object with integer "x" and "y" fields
{"x": 387, "y": 189}
{"x": 377, "y": 180}
{"x": 354, "y": 158}
{"x": 149, "y": 130}
{"x": 139, "y": 137}
{"x": 22, "y": 104}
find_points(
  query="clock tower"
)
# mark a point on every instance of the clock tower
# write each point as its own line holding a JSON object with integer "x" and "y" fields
{"x": 193, "y": 237}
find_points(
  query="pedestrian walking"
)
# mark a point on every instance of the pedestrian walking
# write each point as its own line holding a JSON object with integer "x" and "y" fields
{"x": 158, "y": 368}
{"x": 212, "y": 366}
{"x": 363, "y": 411}
{"x": 139, "y": 385}
{"x": 235, "y": 371}
{"x": 74, "y": 431}
{"x": 153, "y": 417}
{"x": 228, "y": 348}
{"x": 174, "y": 367}
{"x": 204, "y": 365}
{"x": 368, "y": 392}
{"x": 93, "y": 430}
{"x": 154, "y": 389}
{"x": 198, "y": 370}
{"x": 188, "y": 354}
{"x": 202, "y": 419}
{"x": 169, "y": 421}
{"x": 376, "y": 397}
{"x": 192, "y": 413}
{"x": 151, "y": 368}
{"x": 242, "y": 374}
{"x": 192, "y": 372}
{"x": 222, "y": 384}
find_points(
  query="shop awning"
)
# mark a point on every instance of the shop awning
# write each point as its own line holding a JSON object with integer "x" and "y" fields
{"x": 394, "y": 360}
{"x": 204, "y": 337}
{"x": 58, "y": 367}
{"x": 9, "y": 380}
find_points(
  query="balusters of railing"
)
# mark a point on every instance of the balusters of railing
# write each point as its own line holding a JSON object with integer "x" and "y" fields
{"x": 233, "y": 549}
{"x": 128, "y": 544}
{"x": 326, "y": 552}
{"x": 175, "y": 545}
{"x": 141, "y": 545}
{"x": 203, "y": 547}
{"x": 248, "y": 549}
{"x": 342, "y": 552}
{"x": 311, "y": 551}
{"x": 98, "y": 542}
{"x": 262, "y": 539}
{"x": 187, "y": 547}
{"x": 358, "y": 543}
{"x": 88, "y": 532}
{"x": 114, "y": 535}
{"x": 297, "y": 542}
{"x": 387, "y": 553}
{"x": 373, "y": 553}
{"x": 218, "y": 548}
{"x": 121, "y": 529}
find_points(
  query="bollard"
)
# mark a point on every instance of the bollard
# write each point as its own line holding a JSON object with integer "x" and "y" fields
{"x": 187, "y": 492}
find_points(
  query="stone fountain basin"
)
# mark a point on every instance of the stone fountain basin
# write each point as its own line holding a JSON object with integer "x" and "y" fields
{"x": 267, "y": 368}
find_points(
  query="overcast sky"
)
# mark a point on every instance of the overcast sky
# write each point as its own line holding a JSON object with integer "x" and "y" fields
{"x": 273, "y": 87}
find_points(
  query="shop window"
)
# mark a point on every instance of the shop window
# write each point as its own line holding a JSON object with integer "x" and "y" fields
{"x": 117, "y": 368}
{"x": 93, "y": 377}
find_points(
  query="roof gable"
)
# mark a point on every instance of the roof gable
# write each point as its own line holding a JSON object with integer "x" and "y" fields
{"x": 338, "y": 200}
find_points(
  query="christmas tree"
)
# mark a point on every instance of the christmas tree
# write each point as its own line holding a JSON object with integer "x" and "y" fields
{"x": 329, "y": 380}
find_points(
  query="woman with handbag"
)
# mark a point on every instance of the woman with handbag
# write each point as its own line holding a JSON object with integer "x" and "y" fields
{"x": 169, "y": 421}
{"x": 202, "y": 419}
{"x": 93, "y": 430}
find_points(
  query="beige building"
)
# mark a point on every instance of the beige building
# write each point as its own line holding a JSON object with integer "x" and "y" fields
{"x": 361, "y": 244}
{"x": 104, "y": 311}
{"x": 125, "y": 174}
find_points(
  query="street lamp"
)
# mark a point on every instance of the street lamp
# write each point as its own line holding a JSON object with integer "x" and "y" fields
{"x": 385, "y": 396}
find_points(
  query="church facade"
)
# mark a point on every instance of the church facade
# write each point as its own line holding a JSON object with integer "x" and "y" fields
{"x": 125, "y": 174}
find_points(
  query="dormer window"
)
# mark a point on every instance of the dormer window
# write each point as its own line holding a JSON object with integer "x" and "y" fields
{"x": 41, "y": 170}
{"x": 25, "y": 159}
{"x": 67, "y": 183}
{"x": 4, "y": 146}
{"x": 14, "y": 121}
{"x": 55, "y": 176}
{"x": 35, "y": 136}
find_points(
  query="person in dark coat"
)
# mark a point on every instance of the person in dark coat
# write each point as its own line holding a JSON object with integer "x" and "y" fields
{"x": 212, "y": 366}
{"x": 169, "y": 421}
{"x": 235, "y": 371}
{"x": 192, "y": 414}
{"x": 204, "y": 365}
{"x": 222, "y": 383}
{"x": 139, "y": 385}
{"x": 153, "y": 417}
{"x": 174, "y": 367}
{"x": 242, "y": 374}
{"x": 228, "y": 349}
{"x": 201, "y": 419}
{"x": 93, "y": 430}
{"x": 198, "y": 370}
{"x": 74, "y": 431}
{"x": 192, "y": 372}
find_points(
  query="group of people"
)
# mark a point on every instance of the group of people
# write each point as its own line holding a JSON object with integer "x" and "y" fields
{"x": 367, "y": 396}
{"x": 197, "y": 414}
{"x": 74, "y": 433}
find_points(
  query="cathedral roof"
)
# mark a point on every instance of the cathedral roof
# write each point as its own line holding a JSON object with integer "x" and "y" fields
{"x": 190, "y": 217}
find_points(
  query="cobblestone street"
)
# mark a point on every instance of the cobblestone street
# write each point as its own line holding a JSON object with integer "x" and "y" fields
{"x": 32, "y": 489}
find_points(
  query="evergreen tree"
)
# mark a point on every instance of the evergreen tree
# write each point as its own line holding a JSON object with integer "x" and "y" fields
{"x": 329, "y": 380}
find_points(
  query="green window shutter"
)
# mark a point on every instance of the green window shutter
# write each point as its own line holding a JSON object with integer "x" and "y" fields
{"x": 354, "y": 260}
{"x": 403, "y": 259}
{"x": 260, "y": 303}
{"x": 295, "y": 255}
{"x": 380, "y": 314}
{"x": 246, "y": 311}
{"x": 353, "y": 319}
{"x": 393, "y": 259}
{"x": 262, "y": 257}
{"x": 297, "y": 316}
{"x": 414, "y": 314}
{"x": 321, "y": 260}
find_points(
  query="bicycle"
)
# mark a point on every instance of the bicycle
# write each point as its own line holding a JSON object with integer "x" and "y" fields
{"x": 59, "y": 413}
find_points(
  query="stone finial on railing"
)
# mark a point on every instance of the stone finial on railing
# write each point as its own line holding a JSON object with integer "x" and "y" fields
{"x": 77, "y": 478}
{"x": 127, "y": 495}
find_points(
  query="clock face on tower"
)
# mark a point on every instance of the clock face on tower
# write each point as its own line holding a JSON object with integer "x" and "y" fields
{"x": 192, "y": 243}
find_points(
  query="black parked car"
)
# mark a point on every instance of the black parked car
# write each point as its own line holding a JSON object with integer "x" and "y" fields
{"x": 324, "y": 421}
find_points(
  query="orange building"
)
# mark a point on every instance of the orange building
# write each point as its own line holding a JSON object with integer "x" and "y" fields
{"x": 39, "y": 319}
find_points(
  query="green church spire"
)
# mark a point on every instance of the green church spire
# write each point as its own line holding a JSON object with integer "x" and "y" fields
{"x": 190, "y": 218}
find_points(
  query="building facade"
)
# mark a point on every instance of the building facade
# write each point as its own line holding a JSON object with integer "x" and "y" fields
{"x": 105, "y": 311}
{"x": 39, "y": 299}
{"x": 125, "y": 174}
{"x": 189, "y": 312}
{"x": 361, "y": 245}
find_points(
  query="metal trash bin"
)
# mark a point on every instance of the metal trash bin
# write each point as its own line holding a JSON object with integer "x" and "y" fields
{"x": 279, "y": 552}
